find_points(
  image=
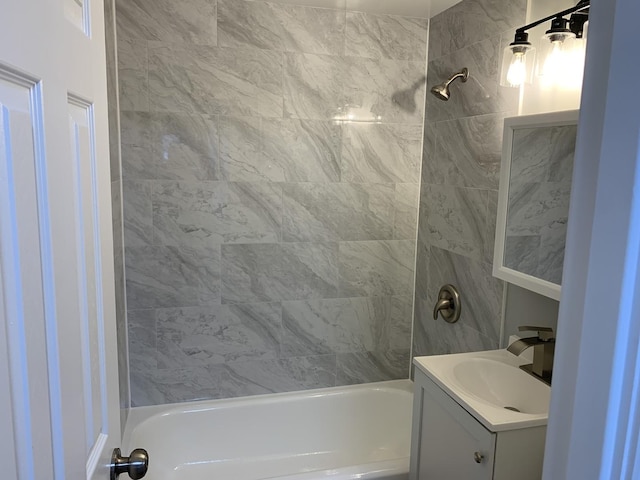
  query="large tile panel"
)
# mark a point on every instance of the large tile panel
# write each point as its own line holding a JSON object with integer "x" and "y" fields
{"x": 481, "y": 94}
{"x": 208, "y": 213}
{"x": 338, "y": 211}
{"x": 168, "y": 21}
{"x": 274, "y": 272}
{"x": 289, "y": 28}
{"x": 172, "y": 276}
{"x": 472, "y": 21}
{"x": 226, "y": 81}
{"x": 345, "y": 325}
{"x": 381, "y": 153}
{"x": 355, "y": 368}
{"x": 200, "y": 336}
{"x": 313, "y": 86}
{"x": 391, "y": 91}
{"x": 385, "y": 36}
{"x": 376, "y": 268}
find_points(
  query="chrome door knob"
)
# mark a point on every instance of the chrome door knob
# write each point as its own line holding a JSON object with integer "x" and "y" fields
{"x": 136, "y": 464}
{"x": 478, "y": 457}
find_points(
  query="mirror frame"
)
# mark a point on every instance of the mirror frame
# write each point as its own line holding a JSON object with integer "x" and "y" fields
{"x": 537, "y": 285}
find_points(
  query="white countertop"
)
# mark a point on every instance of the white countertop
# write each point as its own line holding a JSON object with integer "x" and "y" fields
{"x": 483, "y": 383}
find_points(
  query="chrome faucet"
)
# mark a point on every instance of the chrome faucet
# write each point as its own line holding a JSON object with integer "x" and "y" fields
{"x": 543, "y": 349}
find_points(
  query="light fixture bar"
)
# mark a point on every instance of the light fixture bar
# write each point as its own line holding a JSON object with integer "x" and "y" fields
{"x": 582, "y": 7}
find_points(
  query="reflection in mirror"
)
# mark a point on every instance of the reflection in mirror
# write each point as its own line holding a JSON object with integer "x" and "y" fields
{"x": 533, "y": 207}
{"x": 539, "y": 190}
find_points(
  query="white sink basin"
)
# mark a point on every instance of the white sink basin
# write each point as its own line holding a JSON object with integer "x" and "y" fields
{"x": 491, "y": 387}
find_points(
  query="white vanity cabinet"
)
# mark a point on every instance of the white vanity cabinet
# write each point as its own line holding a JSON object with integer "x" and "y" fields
{"x": 448, "y": 443}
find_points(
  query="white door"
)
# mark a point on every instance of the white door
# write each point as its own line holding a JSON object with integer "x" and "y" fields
{"x": 58, "y": 373}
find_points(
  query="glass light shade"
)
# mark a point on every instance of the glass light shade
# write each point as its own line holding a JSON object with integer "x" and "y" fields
{"x": 561, "y": 61}
{"x": 518, "y": 64}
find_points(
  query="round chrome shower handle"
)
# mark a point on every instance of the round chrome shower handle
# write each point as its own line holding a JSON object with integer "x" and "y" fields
{"x": 136, "y": 464}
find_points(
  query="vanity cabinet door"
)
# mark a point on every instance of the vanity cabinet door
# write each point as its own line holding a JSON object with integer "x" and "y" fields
{"x": 447, "y": 442}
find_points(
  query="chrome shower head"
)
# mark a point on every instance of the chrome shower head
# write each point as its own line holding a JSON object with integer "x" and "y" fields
{"x": 441, "y": 90}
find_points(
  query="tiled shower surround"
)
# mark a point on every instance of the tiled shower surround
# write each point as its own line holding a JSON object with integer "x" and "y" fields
{"x": 270, "y": 237}
{"x": 460, "y": 175}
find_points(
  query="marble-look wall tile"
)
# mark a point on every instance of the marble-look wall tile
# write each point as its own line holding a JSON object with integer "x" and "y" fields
{"x": 241, "y": 150}
{"x": 274, "y": 272}
{"x": 271, "y": 376}
{"x": 468, "y": 152}
{"x": 137, "y": 213}
{"x": 395, "y": 332}
{"x": 301, "y": 150}
{"x": 392, "y": 90}
{"x": 521, "y": 253}
{"x": 199, "y": 336}
{"x": 233, "y": 379}
{"x": 232, "y": 144}
{"x": 563, "y": 141}
{"x": 536, "y": 208}
{"x": 133, "y": 71}
{"x": 135, "y": 139}
{"x": 376, "y": 268}
{"x": 480, "y": 292}
{"x": 552, "y": 255}
{"x": 405, "y": 222}
{"x": 185, "y": 147}
{"x": 172, "y": 276}
{"x": 137, "y": 163}
{"x": 442, "y": 338}
{"x": 135, "y": 128}
{"x": 157, "y": 387}
{"x": 460, "y": 172}
{"x": 456, "y": 218}
{"x": 280, "y": 150}
{"x": 226, "y": 81}
{"x": 471, "y": 21}
{"x": 142, "y": 340}
{"x": 423, "y": 255}
{"x": 428, "y": 174}
{"x": 345, "y": 325}
{"x": 531, "y": 151}
{"x": 355, "y": 368}
{"x": 381, "y": 153}
{"x": 313, "y": 86}
{"x": 385, "y": 36}
{"x": 271, "y": 26}
{"x": 337, "y": 211}
{"x": 168, "y": 21}
{"x": 207, "y": 213}
{"x": 481, "y": 94}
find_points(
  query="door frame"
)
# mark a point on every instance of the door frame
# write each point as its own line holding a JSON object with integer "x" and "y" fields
{"x": 593, "y": 422}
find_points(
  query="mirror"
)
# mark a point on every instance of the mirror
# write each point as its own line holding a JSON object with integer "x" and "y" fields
{"x": 533, "y": 201}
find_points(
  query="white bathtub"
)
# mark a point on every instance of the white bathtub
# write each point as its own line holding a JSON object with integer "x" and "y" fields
{"x": 356, "y": 432}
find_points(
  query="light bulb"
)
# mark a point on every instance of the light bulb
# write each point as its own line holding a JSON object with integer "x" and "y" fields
{"x": 553, "y": 64}
{"x": 517, "y": 65}
{"x": 517, "y": 70}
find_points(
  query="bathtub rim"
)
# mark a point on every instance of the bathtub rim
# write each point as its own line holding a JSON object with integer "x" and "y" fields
{"x": 139, "y": 415}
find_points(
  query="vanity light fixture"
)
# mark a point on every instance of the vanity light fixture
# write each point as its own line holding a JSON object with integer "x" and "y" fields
{"x": 518, "y": 62}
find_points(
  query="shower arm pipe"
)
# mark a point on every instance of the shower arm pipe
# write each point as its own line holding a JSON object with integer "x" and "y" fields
{"x": 464, "y": 73}
{"x": 579, "y": 8}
